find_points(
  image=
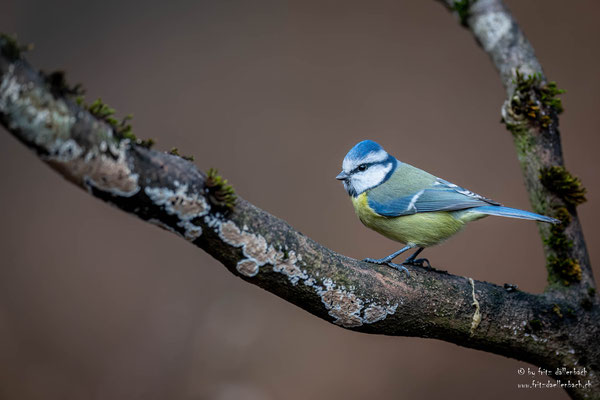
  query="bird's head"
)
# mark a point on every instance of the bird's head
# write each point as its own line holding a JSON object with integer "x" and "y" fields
{"x": 366, "y": 166}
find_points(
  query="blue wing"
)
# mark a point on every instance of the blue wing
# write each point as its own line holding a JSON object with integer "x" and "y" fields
{"x": 440, "y": 196}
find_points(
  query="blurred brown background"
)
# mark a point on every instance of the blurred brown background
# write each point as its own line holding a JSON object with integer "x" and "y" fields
{"x": 95, "y": 304}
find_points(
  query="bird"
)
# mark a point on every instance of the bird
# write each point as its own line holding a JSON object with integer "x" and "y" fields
{"x": 412, "y": 206}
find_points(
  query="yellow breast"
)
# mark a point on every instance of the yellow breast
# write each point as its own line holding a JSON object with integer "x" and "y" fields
{"x": 422, "y": 230}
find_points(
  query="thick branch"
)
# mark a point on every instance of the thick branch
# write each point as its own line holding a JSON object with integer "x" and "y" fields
{"x": 173, "y": 194}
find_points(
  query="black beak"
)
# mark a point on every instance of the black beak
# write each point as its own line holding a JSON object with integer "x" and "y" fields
{"x": 342, "y": 176}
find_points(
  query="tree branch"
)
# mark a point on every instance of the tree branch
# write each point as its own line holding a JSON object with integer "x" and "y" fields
{"x": 90, "y": 151}
{"x": 531, "y": 115}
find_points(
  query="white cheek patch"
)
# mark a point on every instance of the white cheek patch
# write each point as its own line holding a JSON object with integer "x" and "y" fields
{"x": 373, "y": 157}
{"x": 370, "y": 178}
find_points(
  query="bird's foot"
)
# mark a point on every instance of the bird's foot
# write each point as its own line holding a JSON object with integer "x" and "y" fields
{"x": 424, "y": 263}
{"x": 419, "y": 262}
{"x": 399, "y": 267}
{"x": 386, "y": 261}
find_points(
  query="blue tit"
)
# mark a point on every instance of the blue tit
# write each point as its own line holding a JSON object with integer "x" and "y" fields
{"x": 411, "y": 206}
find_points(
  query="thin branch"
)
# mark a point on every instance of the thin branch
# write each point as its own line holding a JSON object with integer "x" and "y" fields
{"x": 531, "y": 115}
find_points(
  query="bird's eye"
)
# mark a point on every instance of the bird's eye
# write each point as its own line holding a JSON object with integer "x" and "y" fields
{"x": 362, "y": 167}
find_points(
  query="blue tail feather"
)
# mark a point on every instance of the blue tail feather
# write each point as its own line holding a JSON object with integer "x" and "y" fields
{"x": 513, "y": 213}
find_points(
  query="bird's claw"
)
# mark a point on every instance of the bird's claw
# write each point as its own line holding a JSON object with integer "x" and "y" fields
{"x": 382, "y": 261}
{"x": 399, "y": 267}
{"x": 419, "y": 262}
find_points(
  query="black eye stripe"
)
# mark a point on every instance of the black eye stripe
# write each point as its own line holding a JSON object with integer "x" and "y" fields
{"x": 366, "y": 165}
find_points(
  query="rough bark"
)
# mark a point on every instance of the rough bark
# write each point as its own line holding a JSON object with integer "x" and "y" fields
{"x": 556, "y": 329}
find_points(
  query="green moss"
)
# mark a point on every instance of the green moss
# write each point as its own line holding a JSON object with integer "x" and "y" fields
{"x": 562, "y": 268}
{"x": 523, "y": 140}
{"x": 175, "y": 151}
{"x": 516, "y": 129}
{"x": 218, "y": 191}
{"x": 556, "y": 310}
{"x": 567, "y": 270}
{"x": 463, "y": 9}
{"x": 563, "y": 215}
{"x": 536, "y": 100}
{"x": 100, "y": 110}
{"x": 591, "y": 292}
{"x": 566, "y": 186}
{"x": 121, "y": 128}
{"x": 557, "y": 240}
{"x": 548, "y": 93}
{"x": 535, "y": 325}
{"x": 59, "y": 87}
{"x": 10, "y": 47}
{"x": 526, "y": 82}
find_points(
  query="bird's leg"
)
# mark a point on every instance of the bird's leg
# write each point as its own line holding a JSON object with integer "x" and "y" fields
{"x": 418, "y": 262}
{"x": 388, "y": 260}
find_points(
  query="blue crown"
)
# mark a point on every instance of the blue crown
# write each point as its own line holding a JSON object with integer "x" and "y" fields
{"x": 363, "y": 148}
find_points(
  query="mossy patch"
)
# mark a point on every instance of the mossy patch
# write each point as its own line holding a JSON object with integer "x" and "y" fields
{"x": 175, "y": 151}
{"x": 562, "y": 267}
{"x": 556, "y": 310}
{"x": 122, "y": 128}
{"x": 567, "y": 270}
{"x": 563, "y": 215}
{"x": 523, "y": 140}
{"x": 58, "y": 86}
{"x": 218, "y": 191}
{"x": 557, "y": 240}
{"x": 536, "y": 100}
{"x": 562, "y": 183}
{"x": 549, "y": 93}
{"x": 10, "y": 47}
{"x": 463, "y": 10}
